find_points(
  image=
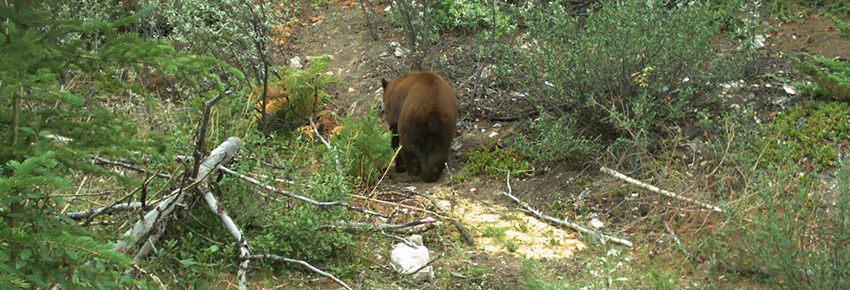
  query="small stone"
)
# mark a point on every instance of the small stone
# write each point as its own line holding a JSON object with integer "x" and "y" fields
{"x": 407, "y": 258}
{"x": 791, "y": 90}
{"x": 295, "y": 63}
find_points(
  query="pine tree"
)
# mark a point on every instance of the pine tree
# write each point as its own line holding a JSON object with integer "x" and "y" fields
{"x": 50, "y": 128}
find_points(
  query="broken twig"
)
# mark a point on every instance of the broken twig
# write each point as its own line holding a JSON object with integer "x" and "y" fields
{"x": 529, "y": 210}
{"x": 655, "y": 189}
{"x": 299, "y": 262}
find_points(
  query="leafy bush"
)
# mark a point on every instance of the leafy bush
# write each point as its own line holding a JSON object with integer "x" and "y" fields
{"x": 297, "y": 97}
{"x": 365, "y": 146}
{"x": 550, "y": 139}
{"x": 632, "y": 65}
{"x": 236, "y": 31}
{"x": 802, "y": 241}
{"x": 294, "y": 229}
{"x": 469, "y": 15}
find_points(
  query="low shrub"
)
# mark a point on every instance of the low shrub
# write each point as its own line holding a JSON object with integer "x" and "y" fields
{"x": 628, "y": 66}
{"x": 365, "y": 146}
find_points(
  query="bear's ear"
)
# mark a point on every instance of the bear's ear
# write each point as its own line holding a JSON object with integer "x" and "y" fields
{"x": 384, "y": 83}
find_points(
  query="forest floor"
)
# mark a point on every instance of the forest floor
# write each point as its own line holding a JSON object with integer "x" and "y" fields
{"x": 341, "y": 30}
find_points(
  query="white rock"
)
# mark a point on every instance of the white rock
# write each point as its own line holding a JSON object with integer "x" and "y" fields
{"x": 791, "y": 90}
{"x": 406, "y": 259}
{"x": 596, "y": 223}
{"x": 400, "y": 52}
{"x": 295, "y": 63}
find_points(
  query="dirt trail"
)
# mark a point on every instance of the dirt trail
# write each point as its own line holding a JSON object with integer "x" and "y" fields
{"x": 342, "y": 33}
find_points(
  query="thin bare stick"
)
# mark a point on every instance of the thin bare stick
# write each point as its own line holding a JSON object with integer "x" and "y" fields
{"x": 298, "y": 197}
{"x": 234, "y": 231}
{"x": 100, "y": 160}
{"x": 426, "y": 264}
{"x": 407, "y": 229}
{"x": 410, "y": 207}
{"x": 655, "y": 189}
{"x": 463, "y": 233}
{"x": 105, "y": 210}
{"x": 299, "y": 262}
{"x": 529, "y": 210}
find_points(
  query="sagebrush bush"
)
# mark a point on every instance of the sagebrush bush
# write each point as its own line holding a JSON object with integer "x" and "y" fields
{"x": 631, "y": 65}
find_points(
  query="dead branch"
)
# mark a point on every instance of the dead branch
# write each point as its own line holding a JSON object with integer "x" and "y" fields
{"x": 141, "y": 231}
{"x": 299, "y": 197}
{"x": 413, "y": 227}
{"x": 652, "y": 188}
{"x": 200, "y": 147}
{"x": 101, "y": 161}
{"x": 234, "y": 231}
{"x": 529, "y": 210}
{"x": 105, "y": 210}
{"x": 463, "y": 233}
{"x": 299, "y": 262}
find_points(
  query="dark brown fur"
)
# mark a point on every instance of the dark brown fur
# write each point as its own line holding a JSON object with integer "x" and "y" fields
{"x": 421, "y": 109}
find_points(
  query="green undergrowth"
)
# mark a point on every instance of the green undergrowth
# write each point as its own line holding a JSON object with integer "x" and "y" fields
{"x": 831, "y": 78}
{"x": 808, "y": 135}
{"x": 492, "y": 159}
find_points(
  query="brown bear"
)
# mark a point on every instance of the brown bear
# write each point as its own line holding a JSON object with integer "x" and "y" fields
{"x": 421, "y": 109}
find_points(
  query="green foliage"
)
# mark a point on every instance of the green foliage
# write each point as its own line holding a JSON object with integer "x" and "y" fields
{"x": 471, "y": 15}
{"x": 842, "y": 26}
{"x": 233, "y": 30}
{"x": 365, "y": 146}
{"x": 790, "y": 10}
{"x": 494, "y": 232}
{"x": 605, "y": 272}
{"x": 294, "y": 229}
{"x": 783, "y": 9}
{"x": 305, "y": 89}
{"x": 54, "y": 68}
{"x": 831, "y": 77}
{"x": 200, "y": 262}
{"x": 551, "y": 139}
{"x": 801, "y": 240}
{"x": 38, "y": 250}
{"x": 632, "y": 65}
{"x": 510, "y": 245}
{"x": 809, "y": 133}
{"x": 489, "y": 158}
